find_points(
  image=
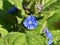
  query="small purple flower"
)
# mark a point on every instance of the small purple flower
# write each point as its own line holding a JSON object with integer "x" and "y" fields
{"x": 39, "y": 8}
{"x": 45, "y": 30}
{"x": 30, "y": 22}
{"x": 12, "y": 10}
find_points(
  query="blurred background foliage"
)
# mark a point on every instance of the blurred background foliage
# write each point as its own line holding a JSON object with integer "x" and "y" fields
{"x": 12, "y": 31}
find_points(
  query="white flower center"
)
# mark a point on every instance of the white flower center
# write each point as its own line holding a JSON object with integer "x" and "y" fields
{"x": 30, "y": 22}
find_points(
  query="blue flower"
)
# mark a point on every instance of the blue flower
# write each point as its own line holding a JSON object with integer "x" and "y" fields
{"x": 30, "y": 22}
{"x": 12, "y": 10}
{"x": 48, "y": 35}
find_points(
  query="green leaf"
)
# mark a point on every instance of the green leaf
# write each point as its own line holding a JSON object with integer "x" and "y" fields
{"x": 15, "y": 38}
{"x": 3, "y": 32}
{"x": 52, "y": 22}
{"x": 47, "y": 3}
{"x": 35, "y": 38}
{"x": 48, "y": 14}
{"x": 19, "y": 5}
{"x": 2, "y": 41}
{"x": 11, "y": 1}
{"x": 51, "y": 9}
{"x": 1, "y": 4}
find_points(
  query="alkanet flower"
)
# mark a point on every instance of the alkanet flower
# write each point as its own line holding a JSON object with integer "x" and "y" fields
{"x": 45, "y": 30}
{"x": 39, "y": 8}
{"x": 48, "y": 35}
{"x": 12, "y": 10}
{"x": 30, "y": 22}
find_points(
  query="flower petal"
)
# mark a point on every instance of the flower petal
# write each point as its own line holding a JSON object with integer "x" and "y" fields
{"x": 35, "y": 23}
{"x": 49, "y": 35}
{"x": 31, "y": 27}
{"x": 25, "y": 23}
{"x": 49, "y": 42}
{"x": 31, "y": 17}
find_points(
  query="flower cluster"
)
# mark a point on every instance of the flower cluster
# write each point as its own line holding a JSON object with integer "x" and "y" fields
{"x": 30, "y": 22}
{"x": 48, "y": 35}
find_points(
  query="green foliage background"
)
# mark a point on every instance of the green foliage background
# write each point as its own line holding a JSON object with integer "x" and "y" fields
{"x": 12, "y": 31}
